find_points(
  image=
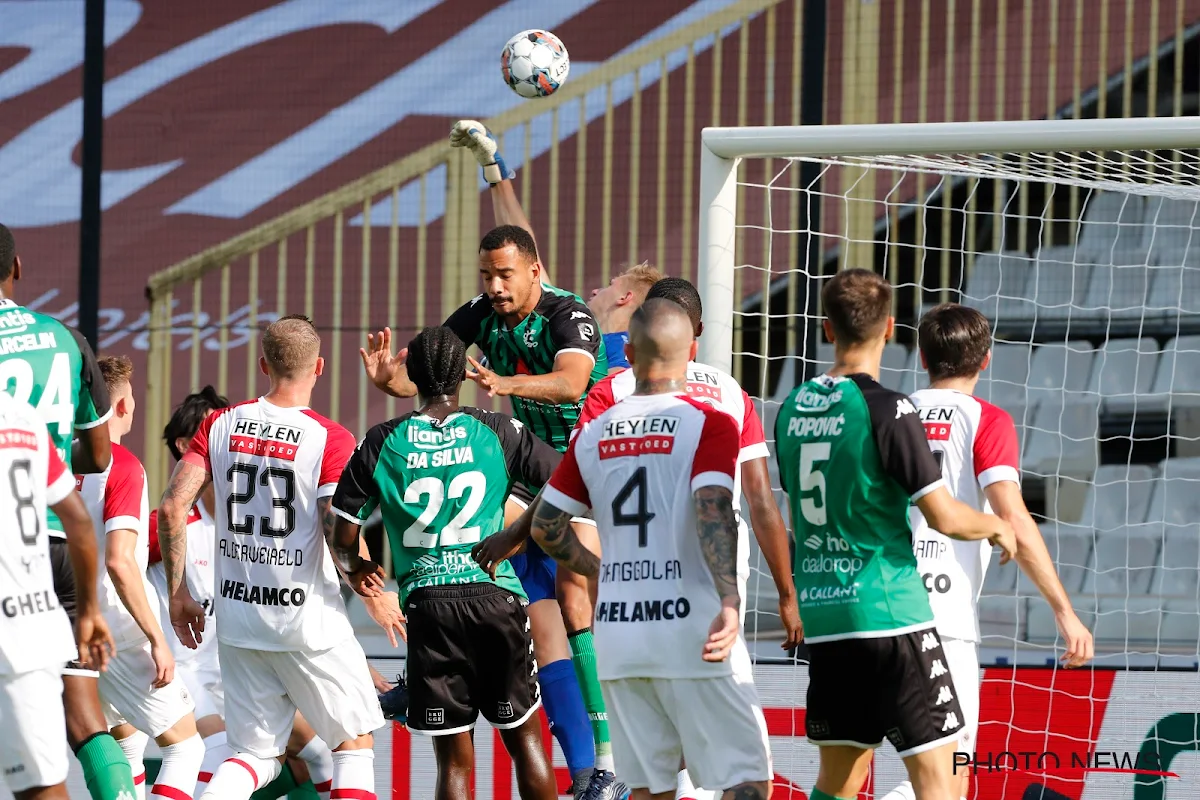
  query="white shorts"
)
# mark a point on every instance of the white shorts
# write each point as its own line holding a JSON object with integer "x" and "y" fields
{"x": 962, "y": 657}
{"x": 33, "y": 747}
{"x": 715, "y": 724}
{"x": 331, "y": 688}
{"x": 126, "y": 696}
{"x": 202, "y": 676}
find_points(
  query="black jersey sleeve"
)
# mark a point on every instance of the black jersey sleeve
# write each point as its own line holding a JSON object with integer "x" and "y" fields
{"x": 93, "y": 405}
{"x": 530, "y": 460}
{"x": 573, "y": 327}
{"x": 467, "y": 321}
{"x": 357, "y": 492}
{"x": 900, "y": 437}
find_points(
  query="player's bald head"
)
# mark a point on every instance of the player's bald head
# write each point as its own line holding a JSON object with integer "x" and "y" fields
{"x": 660, "y": 331}
{"x": 291, "y": 346}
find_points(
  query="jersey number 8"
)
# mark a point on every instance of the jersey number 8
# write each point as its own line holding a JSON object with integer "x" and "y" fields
{"x": 457, "y": 531}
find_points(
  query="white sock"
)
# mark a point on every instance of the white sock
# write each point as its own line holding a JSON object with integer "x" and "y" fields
{"x": 240, "y": 776}
{"x": 134, "y": 748}
{"x": 180, "y": 766}
{"x": 319, "y": 758}
{"x": 684, "y": 788}
{"x": 354, "y": 769}
{"x": 902, "y": 792}
{"x": 216, "y": 750}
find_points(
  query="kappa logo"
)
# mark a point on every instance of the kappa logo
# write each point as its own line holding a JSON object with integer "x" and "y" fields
{"x": 951, "y": 722}
{"x": 944, "y": 696}
{"x": 813, "y": 542}
{"x": 504, "y": 711}
{"x": 938, "y": 669}
{"x": 124, "y": 795}
{"x": 904, "y": 406}
{"x": 475, "y": 302}
{"x": 516, "y": 423}
{"x": 435, "y": 716}
{"x": 580, "y": 315}
{"x": 929, "y": 642}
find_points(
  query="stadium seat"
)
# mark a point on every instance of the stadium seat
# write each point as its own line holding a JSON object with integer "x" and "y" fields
{"x": 1070, "y": 548}
{"x": 1179, "y": 573}
{"x": 1175, "y": 285}
{"x": 1003, "y": 382}
{"x": 1041, "y": 627}
{"x": 1175, "y": 499}
{"x": 895, "y": 365}
{"x": 1123, "y": 373}
{"x": 1058, "y": 372}
{"x": 1170, "y": 226}
{"x": 999, "y": 285}
{"x": 1129, "y": 623}
{"x": 1118, "y": 495}
{"x": 1059, "y": 283}
{"x": 1181, "y": 623}
{"x": 1002, "y": 620}
{"x": 1112, "y": 222}
{"x": 1062, "y": 439}
{"x": 1124, "y": 561}
{"x": 1179, "y": 372}
{"x": 1117, "y": 292}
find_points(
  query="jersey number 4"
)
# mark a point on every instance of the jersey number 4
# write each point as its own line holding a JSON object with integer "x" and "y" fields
{"x": 55, "y": 403}
{"x": 472, "y": 485}
{"x": 641, "y": 515}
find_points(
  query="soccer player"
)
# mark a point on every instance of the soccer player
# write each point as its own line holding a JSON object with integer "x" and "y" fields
{"x": 284, "y": 640}
{"x": 52, "y": 367}
{"x": 200, "y": 668}
{"x": 442, "y": 476}
{"x": 140, "y": 691}
{"x": 35, "y": 634}
{"x": 852, "y": 457}
{"x": 658, "y": 469}
{"x": 614, "y": 305}
{"x": 708, "y": 385}
{"x": 544, "y": 351}
{"x": 976, "y": 444}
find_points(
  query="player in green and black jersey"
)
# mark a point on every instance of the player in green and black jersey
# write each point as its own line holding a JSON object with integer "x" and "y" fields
{"x": 852, "y": 457}
{"x": 441, "y": 478}
{"x": 52, "y": 367}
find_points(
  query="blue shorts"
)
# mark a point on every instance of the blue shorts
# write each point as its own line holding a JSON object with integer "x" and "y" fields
{"x": 536, "y": 572}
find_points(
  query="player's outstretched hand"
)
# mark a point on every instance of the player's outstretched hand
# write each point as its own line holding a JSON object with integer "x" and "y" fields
{"x": 385, "y": 610}
{"x": 96, "y": 644}
{"x": 187, "y": 618}
{"x": 368, "y": 579}
{"x": 722, "y": 634}
{"x": 793, "y": 628}
{"x": 490, "y": 382}
{"x": 164, "y": 664}
{"x": 381, "y": 366}
{"x": 1080, "y": 647}
{"x": 1006, "y": 540}
{"x": 478, "y": 139}
{"x": 496, "y": 549}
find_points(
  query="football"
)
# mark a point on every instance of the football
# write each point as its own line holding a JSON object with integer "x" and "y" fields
{"x": 535, "y": 63}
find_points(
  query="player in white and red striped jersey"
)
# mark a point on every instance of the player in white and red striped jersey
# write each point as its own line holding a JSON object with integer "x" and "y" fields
{"x": 976, "y": 445}
{"x": 35, "y": 634}
{"x": 285, "y": 641}
{"x": 657, "y": 469}
{"x": 141, "y": 694}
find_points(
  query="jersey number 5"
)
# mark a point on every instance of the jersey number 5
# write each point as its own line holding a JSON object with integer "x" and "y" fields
{"x": 812, "y": 482}
{"x": 471, "y": 484}
{"x": 641, "y": 516}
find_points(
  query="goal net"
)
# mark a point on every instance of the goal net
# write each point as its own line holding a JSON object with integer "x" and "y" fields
{"x": 1080, "y": 241}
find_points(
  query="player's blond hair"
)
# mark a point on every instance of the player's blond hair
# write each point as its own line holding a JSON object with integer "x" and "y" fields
{"x": 291, "y": 346}
{"x": 116, "y": 371}
{"x": 640, "y": 277}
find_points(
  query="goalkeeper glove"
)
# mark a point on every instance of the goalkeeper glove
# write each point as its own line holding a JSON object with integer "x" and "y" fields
{"x": 472, "y": 134}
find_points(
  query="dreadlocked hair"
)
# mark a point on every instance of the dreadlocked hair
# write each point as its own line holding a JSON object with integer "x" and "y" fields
{"x": 188, "y": 415}
{"x": 437, "y": 360}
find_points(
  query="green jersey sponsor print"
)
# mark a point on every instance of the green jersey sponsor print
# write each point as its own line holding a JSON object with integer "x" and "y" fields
{"x": 51, "y": 367}
{"x": 441, "y": 488}
{"x": 852, "y": 455}
{"x": 561, "y": 322}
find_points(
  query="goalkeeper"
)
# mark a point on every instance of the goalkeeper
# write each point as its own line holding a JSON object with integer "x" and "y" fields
{"x": 543, "y": 349}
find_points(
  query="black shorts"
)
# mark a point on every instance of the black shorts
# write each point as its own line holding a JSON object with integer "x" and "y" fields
{"x": 861, "y": 691}
{"x": 64, "y": 587}
{"x": 469, "y": 651}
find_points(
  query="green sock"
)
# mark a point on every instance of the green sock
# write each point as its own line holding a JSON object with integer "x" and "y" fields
{"x": 278, "y": 787}
{"x": 105, "y": 768}
{"x": 583, "y": 656}
{"x": 305, "y": 792}
{"x": 817, "y": 794}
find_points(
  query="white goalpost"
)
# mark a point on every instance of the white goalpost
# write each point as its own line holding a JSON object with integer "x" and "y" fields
{"x": 1080, "y": 240}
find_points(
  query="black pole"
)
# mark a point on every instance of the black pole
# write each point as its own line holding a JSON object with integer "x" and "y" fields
{"x": 812, "y": 112}
{"x": 93, "y": 157}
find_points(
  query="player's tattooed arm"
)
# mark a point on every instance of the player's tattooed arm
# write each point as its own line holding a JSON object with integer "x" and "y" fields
{"x": 187, "y": 483}
{"x": 553, "y": 532}
{"x": 716, "y": 525}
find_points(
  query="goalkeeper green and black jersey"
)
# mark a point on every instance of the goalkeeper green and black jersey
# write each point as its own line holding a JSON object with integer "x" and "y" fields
{"x": 441, "y": 487}
{"x": 852, "y": 457}
{"x": 561, "y": 323}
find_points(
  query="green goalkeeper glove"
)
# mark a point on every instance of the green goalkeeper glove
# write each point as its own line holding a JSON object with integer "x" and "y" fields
{"x": 472, "y": 134}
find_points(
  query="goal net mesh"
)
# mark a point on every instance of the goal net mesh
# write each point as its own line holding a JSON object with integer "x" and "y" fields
{"x": 1088, "y": 267}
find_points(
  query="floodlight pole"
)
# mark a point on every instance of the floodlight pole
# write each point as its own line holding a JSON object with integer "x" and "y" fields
{"x": 92, "y": 166}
